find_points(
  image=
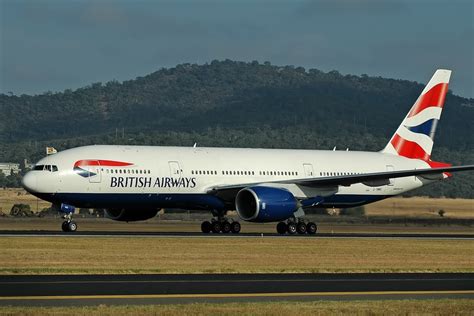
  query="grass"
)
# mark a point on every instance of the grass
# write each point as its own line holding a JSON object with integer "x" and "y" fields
{"x": 382, "y": 307}
{"x": 421, "y": 207}
{"x": 9, "y": 197}
{"x": 44, "y": 255}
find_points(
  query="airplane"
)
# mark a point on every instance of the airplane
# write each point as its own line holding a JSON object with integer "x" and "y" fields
{"x": 133, "y": 183}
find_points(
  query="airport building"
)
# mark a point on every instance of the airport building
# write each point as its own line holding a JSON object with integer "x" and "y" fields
{"x": 9, "y": 168}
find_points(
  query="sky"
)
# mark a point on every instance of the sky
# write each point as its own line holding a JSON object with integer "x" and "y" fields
{"x": 53, "y": 45}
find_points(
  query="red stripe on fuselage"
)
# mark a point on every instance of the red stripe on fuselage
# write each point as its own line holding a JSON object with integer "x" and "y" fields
{"x": 409, "y": 149}
{"x": 433, "y": 98}
{"x": 100, "y": 162}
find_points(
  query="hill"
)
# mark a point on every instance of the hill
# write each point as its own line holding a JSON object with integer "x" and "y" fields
{"x": 227, "y": 103}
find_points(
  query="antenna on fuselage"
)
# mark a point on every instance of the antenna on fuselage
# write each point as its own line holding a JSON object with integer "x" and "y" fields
{"x": 334, "y": 149}
{"x": 195, "y": 145}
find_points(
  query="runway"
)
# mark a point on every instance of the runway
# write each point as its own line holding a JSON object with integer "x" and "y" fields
{"x": 94, "y": 233}
{"x": 51, "y": 290}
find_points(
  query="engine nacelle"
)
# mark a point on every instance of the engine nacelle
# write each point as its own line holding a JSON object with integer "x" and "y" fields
{"x": 130, "y": 215}
{"x": 264, "y": 204}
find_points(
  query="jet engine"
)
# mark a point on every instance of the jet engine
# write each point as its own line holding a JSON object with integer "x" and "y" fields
{"x": 130, "y": 215}
{"x": 265, "y": 204}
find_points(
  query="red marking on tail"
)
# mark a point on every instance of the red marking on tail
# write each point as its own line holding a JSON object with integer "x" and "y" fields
{"x": 409, "y": 149}
{"x": 433, "y": 98}
{"x": 436, "y": 164}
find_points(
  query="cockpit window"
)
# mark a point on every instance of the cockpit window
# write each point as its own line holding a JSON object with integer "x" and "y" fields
{"x": 50, "y": 168}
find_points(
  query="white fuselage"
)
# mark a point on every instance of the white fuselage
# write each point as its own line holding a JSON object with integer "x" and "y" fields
{"x": 175, "y": 173}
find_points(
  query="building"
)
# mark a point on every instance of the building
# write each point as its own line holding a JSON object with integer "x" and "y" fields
{"x": 9, "y": 168}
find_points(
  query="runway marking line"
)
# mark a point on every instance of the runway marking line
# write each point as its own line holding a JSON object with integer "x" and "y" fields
{"x": 220, "y": 281}
{"x": 229, "y": 295}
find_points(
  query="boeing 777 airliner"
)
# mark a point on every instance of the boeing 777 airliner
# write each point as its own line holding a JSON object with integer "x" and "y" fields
{"x": 263, "y": 185}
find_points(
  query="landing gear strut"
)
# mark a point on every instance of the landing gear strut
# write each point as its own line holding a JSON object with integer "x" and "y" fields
{"x": 68, "y": 225}
{"x": 292, "y": 227}
{"x": 220, "y": 225}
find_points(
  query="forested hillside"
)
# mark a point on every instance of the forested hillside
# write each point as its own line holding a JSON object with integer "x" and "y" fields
{"x": 235, "y": 104}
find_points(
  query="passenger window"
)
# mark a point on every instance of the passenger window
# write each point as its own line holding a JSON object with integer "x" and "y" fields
{"x": 55, "y": 168}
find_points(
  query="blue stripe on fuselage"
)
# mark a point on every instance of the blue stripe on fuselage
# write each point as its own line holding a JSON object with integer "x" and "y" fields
{"x": 181, "y": 200}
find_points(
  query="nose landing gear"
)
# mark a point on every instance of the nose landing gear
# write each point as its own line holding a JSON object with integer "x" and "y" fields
{"x": 68, "y": 225}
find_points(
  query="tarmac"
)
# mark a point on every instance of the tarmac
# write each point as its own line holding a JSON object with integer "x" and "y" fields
{"x": 75, "y": 290}
{"x": 94, "y": 233}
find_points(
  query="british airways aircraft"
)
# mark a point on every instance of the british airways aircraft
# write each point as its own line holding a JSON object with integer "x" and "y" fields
{"x": 263, "y": 185}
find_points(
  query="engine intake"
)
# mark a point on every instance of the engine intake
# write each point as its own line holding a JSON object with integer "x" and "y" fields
{"x": 130, "y": 215}
{"x": 265, "y": 204}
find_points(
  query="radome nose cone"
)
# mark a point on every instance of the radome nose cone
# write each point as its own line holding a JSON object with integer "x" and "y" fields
{"x": 29, "y": 182}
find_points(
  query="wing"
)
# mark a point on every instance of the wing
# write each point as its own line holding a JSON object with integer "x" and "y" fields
{"x": 371, "y": 179}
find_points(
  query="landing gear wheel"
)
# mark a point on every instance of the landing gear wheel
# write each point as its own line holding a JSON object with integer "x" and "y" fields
{"x": 72, "y": 226}
{"x": 206, "y": 227}
{"x": 225, "y": 227}
{"x": 65, "y": 226}
{"x": 311, "y": 228}
{"x": 291, "y": 228}
{"x": 282, "y": 228}
{"x": 216, "y": 227}
{"x": 301, "y": 228}
{"x": 235, "y": 227}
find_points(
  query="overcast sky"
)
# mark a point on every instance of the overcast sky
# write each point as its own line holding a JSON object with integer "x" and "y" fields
{"x": 55, "y": 44}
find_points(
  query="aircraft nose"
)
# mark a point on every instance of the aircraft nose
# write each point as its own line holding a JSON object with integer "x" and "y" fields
{"x": 30, "y": 182}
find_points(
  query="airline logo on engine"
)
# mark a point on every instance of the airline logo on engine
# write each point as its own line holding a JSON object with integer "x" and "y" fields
{"x": 149, "y": 182}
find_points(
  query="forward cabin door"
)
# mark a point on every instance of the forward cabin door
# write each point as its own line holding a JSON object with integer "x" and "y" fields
{"x": 95, "y": 174}
{"x": 308, "y": 170}
{"x": 176, "y": 174}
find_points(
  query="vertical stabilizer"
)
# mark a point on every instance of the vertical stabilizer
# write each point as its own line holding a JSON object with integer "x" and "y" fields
{"x": 414, "y": 137}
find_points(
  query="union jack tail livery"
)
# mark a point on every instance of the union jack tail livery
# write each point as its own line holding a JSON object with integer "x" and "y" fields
{"x": 414, "y": 137}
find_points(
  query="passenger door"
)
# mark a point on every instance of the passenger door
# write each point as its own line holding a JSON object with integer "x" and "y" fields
{"x": 175, "y": 173}
{"x": 95, "y": 174}
{"x": 308, "y": 170}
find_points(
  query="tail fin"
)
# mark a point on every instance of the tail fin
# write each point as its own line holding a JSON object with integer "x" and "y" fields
{"x": 414, "y": 137}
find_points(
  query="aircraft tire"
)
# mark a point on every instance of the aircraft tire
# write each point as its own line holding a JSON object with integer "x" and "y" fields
{"x": 216, "y": 227}
{"x": 291, "y": 228}
{"x": 282, "y": 228}
{"x": 301, "y": 228}
{"x": 65, "y": 226}
{"x": 72, "y": 226}
{"x": 206, "y": 227}
{"x": 235, "y": 227}
{"x": 225, "y": 227}
{"x": 311, "y": 228}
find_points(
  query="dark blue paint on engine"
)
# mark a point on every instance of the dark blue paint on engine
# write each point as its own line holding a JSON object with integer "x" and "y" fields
{"x": 274, "y": 204}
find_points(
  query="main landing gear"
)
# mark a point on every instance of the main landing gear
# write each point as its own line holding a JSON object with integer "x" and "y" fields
{"x": 292, "y": 227}
{"x": 222, "y": 225}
